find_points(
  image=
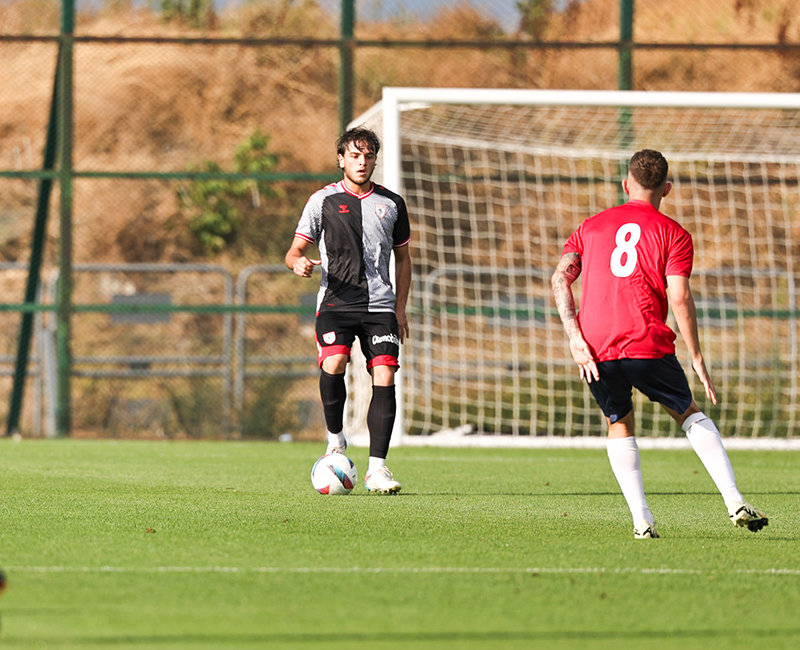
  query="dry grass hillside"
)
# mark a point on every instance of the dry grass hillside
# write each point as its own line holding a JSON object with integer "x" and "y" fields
{"x": 141, "y": 107}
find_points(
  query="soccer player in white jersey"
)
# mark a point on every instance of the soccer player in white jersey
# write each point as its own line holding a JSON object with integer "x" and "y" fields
{"x": 357, "y": 225}
{"x": 633, "y": 261}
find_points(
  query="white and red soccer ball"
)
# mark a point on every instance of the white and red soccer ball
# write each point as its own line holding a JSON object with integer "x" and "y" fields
{"x": 334, "y": 474}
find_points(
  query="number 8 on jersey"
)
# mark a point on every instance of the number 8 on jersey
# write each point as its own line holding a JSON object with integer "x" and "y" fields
{"x": 626, "y": 239}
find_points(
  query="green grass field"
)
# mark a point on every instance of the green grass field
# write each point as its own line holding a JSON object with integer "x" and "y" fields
{"x": 121, "y": 544}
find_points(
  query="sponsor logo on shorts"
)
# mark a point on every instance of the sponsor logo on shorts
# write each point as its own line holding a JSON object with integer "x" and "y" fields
{"x": 329, "y": 338}
{"x": 388, "y": 338}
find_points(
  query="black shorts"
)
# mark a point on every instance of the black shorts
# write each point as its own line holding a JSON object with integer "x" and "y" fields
{"x": 377, "y": 331}
{"x": 661, "y": 380}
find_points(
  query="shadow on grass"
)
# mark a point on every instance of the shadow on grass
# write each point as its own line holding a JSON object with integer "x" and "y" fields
{"x": 323, "y": 638}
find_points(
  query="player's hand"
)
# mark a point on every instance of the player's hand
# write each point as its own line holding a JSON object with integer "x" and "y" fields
{"x": 582, "y": 354}
{"x": 402, "y": 324}
{"x": 304, "y": 267}
{"x": 699, "y": 366}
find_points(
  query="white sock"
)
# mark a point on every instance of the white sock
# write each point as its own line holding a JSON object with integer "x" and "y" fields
{"x": 623, "y": 454}
{"x": 707, "y": 444}
{"x": 336, "y": 439}
{"x": 375, "y": 463}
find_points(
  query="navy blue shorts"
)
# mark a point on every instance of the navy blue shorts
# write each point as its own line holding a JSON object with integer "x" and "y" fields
{"x": 661, "y": 380}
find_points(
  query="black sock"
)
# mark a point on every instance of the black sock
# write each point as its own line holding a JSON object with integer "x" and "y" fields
{"x": 333, "y": 391}
{"x": 380, "y": 420}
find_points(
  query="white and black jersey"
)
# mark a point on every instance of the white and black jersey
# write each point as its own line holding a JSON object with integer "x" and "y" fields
{"x": 356, "y": 235}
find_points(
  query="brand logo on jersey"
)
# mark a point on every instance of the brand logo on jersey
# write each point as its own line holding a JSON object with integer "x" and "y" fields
{"x": 380, "y": 210}
{"x": 343, "y": 209}
{"x": 388, "y": 338}
{"x": 329, "y": 338}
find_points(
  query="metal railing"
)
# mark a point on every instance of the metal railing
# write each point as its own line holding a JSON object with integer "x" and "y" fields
{"x": 295, "y": 366}
{"x": 139, "y": 365}
{"x": 36, "y": 362}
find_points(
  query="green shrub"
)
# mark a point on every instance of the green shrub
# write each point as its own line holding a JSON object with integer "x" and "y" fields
{"x": 217, "y": 205}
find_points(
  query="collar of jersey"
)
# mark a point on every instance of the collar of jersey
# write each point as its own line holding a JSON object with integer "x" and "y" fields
{"x": 358, "y": 196}
{"x": 638, "y": 202}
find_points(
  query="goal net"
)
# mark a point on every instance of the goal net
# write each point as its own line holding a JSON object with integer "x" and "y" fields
{"x": 496, "y": 180}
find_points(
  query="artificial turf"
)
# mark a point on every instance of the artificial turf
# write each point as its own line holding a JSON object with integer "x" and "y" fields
{"x": 126, "y": 544}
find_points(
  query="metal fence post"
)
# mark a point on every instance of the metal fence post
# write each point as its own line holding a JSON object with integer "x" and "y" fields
{"x": 625, "y": 75}
{"x": 626, "y": 44}
{"x": 35, "y": 262}
{"x": 65, "y": 135}
{"x": 346, "y": 81}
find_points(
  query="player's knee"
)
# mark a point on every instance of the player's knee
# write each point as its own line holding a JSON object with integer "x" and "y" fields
{"x": 383, "y": 375}
{"x": 335, "y": 364}
{"x": 680, "y": 418}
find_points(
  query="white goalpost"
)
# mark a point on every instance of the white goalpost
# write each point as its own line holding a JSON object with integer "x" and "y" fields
{"x": 496, "y": 180}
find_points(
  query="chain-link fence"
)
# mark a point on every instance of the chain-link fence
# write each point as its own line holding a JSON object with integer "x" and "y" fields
{"x": 188, "y": 134}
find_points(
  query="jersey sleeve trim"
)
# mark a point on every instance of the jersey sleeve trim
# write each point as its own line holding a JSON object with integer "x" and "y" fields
{"x": 306, "y": 237}
{"x": 401, "y": 244}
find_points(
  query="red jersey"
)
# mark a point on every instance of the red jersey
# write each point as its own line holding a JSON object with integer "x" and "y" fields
{"x": 627, "y": 253}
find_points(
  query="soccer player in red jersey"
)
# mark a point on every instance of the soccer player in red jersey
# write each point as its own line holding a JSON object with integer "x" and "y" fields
{"x": 357, "y": 226}
{"x": 633, "y": 261}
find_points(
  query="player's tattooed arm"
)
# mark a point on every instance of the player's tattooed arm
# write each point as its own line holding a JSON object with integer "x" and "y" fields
{"x": 567, "y": 271}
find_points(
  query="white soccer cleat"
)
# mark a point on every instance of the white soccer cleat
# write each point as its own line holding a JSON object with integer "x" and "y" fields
{"x": 381, "y": 481}
{"x": 645, "y": 530}
{"x": 743, "y": 514}
{"x": 335, "y": 449}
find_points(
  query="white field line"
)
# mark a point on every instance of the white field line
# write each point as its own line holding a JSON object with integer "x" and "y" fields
{"x": 448, "y": 440}
{"x": 393, "y": 570}
{"x": 466, "y": 437}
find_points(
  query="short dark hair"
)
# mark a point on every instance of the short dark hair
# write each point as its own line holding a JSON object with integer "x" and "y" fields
{"x": 649, "y": 168}
{"x": 361, "y": 137}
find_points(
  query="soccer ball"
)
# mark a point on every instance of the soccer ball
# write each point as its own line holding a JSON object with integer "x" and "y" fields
{"x": 334, "y": 474}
